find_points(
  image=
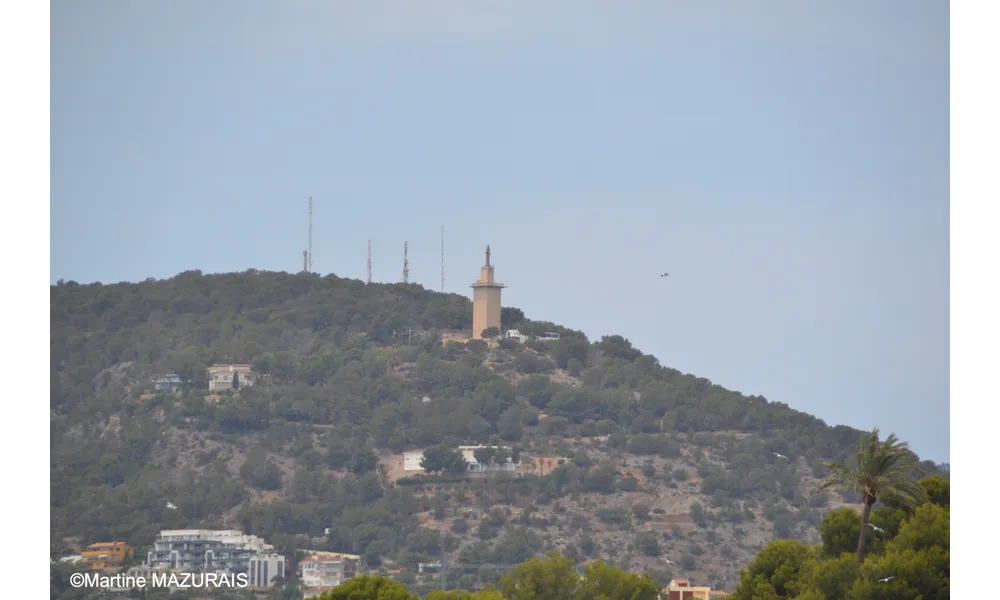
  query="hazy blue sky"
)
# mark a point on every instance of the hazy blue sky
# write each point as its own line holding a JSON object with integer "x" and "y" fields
{"x": 787, "y": 161}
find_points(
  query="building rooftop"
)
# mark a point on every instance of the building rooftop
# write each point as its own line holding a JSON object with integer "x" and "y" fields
{"x": 101, "y": 545}
{"x": 321, "y": 559}
{"x": 324, "y": 554}
{"x": 226, "y": 536}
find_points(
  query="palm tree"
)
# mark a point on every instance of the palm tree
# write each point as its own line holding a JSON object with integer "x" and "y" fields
{"x": 883, "y": 470}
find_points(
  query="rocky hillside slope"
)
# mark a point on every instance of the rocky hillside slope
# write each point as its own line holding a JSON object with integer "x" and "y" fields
{"x": 621, "y": 458}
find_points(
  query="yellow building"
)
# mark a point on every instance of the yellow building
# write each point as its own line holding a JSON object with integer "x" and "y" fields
{"x": 104, "y": 555}
{"x": 485, "y": 300}
{"x": 681, "y": 589}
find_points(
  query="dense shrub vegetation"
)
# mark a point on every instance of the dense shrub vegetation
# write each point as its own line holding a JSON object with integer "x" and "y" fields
{"x": 352, "y": 372}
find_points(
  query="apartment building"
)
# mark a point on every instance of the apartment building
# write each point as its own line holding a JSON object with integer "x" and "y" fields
{"x": 264, "y": 568}
{"x": 206, "y": 550}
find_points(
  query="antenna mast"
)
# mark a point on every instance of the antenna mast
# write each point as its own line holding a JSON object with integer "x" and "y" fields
{"x": 369, "y": 261}
{"x": 305, "y": 261}
{"x": 406, "y": 262}
{"x": 442, "y": 259}
{"x": 309, "y": 262}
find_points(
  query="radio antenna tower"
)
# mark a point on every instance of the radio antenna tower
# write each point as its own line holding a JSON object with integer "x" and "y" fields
{"x": 406, "y": 262}
{"x": 305, "y": 261}
{"x": 369, "y": 262}
{"x": 309, "y": 261}
{"x": 442, "y": 259}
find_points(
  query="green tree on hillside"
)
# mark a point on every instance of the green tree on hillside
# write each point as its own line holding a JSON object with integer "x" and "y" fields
{"x": 550, "y": 578}
{"x": 484, "y": 456}
{"x": 501, "y": 456}
{"x": 832, "y": 578}
{"x": 487, "y": 594}
{"x": 938, "y": 490}
{"x": 441, "y": 457}
{"x": 366, "y": 587}
{"x": 510, "y": 317}
{"x": 918, "y": 560}
{"x": 603, "y": 582}
{"x": 780, "y": 570}
{"x": 883, "y": 470}
{"x": 616, "y": 346}
{"x": 840, "y": 530}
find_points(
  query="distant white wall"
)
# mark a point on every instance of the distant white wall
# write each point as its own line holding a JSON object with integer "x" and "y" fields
{"x": 411, "y": 460}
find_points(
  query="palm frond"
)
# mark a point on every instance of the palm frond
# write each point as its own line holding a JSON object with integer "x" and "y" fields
{"x": 885, "y": 468}
{"x": 839, "y": 476}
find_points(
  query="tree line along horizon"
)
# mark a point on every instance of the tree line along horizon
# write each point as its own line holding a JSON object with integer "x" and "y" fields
{"x": 334, "y": 311}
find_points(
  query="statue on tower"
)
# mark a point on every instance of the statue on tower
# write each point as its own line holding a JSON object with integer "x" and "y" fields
{"x": 487, "y": 255}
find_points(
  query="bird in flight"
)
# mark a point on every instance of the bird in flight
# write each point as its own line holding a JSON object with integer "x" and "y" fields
{"x": 780, "y": 455}
{"x": 886, "y": 579}
{"x": 664, "y": 274}
{"x": 876, "y": 528}
{"x": 669, "y": 562}
{"x": 171, "y": 506}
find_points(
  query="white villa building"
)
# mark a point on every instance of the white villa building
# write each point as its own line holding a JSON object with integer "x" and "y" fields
{"x": 411, "y": 461}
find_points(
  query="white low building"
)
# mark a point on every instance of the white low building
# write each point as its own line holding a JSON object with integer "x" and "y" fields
{"x": 469, "y": 453}
{"x": 412, "y": 459}
{"x": 513, "y": 334}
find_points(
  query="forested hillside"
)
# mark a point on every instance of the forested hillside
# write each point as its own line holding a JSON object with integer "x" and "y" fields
{"x": 638, "y": 464}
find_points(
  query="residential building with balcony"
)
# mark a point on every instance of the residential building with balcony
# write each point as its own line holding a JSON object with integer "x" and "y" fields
{"x": 106, "y": 555}
{"x": 205, "y": 550}
{"x": 322, "y": 571}
{"x": 220, "y": 377}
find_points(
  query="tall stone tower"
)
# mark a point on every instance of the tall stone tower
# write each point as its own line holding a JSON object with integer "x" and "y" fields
{"x": 485, "y": 300}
